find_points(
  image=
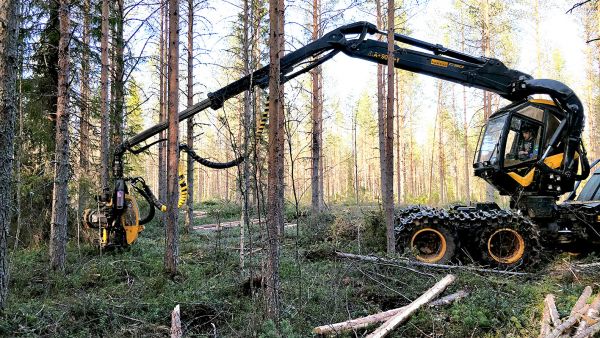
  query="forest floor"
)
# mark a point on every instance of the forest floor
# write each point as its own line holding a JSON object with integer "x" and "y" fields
{"x": 127, "y": 294}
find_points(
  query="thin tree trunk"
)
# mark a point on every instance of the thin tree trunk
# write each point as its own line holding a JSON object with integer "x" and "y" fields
{"x": 487, "y": 96}
{"x": 441, "y": 155}
{"x": 162, "y": 103}
{"x": 247, "y": 125}
{"x": 8, "y": 76}
{"x": 58, "y": 223}
{"x": 465, "y": 125}
{"x": 381, "y": 109}
{"x": 388, "y": 188}
{"x": 317, "y": 121}
{"x": 172, "y": 233}
{"x": 435, "y": 124}
{"x": 355, "y": 156}
{"x": 20, "y": 140}
{"x": 104, "y": 113}
{"x": 275, "y": 162}
{"x": 281, "y": 122}
{"x": 119, "y": 74}
{"x": 400, "y": 151}
{"x": 84, "y": 128}
{"x": 189, "y": 219}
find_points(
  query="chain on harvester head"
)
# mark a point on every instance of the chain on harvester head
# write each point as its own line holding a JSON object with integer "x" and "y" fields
{"x": 264, "y": 117}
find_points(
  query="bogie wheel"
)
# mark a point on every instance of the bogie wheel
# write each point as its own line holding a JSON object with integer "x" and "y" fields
{"x": 511, "y": 243}
{"x": 430, "y": 243}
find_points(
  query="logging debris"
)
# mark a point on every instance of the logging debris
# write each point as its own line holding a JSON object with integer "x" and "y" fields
{"x": 585, "y": 315}
{"x": 392, "y": 318}
{"x": 404, "y": 263}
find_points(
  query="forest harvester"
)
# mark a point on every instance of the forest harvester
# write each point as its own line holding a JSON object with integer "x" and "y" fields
{"x": 530, "y": 150}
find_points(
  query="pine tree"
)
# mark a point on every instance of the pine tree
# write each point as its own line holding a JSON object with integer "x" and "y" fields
{"x": 275, "y": 161}
{"x": 172, "y": 233}
{"x": 58, "y": 223}
{"x": 8, "y": 106}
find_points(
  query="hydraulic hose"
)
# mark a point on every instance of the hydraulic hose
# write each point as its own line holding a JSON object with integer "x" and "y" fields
{"x": 207, "y": 163}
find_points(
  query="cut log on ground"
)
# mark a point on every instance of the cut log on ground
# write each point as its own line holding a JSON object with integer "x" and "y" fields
{"x": 565, "y": 325}
{"x": 552, "y": 311}
{"x": 589, "y": 332}
{"x": 546, "y": 321}
{"x": 405, "y": 262}
{"x": 590, "y": 316}
{"x": 587, "y": 292}
{"x": 358, "y": 323}
{"x": 176, "y": 331}
{"x": 449, "y": 299}
{"x": 400, "y": 317}
{"x": 362, "y": 322}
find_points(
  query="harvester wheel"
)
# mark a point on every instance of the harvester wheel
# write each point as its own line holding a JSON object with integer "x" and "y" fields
{"x": 510, "y": 243}
{"x": 430, "y": 243}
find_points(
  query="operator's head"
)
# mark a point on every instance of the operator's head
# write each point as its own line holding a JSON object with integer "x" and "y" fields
{"x": 527, "y": 133}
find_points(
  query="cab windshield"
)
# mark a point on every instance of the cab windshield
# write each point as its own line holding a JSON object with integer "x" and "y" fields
{"x": 489, "y": 145}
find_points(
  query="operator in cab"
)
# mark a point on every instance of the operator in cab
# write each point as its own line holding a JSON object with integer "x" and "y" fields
{"x": 526, "y": 147}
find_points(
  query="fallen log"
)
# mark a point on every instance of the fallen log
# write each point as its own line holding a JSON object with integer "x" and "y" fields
{"x": 546, "y": 321}
{"x": 552, "y": 311}
{"x": 589, "y": 332}
{"x": 403, "y": 262}
{"x": 358, "y": 323}
{"x": 587, "y": 292}
{"x": 590, "y": 315}
{"x": 362, "y": 322}
{"x": 565, "y": 325}
{"x": 446, "y": 300}
{"x": 588, "y": 265}
{"x": 401, "y": 316}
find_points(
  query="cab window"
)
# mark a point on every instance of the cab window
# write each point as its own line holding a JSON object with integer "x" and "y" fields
{"x": 533, "y": 112}
{"x": 489, "y": 145}
{"x": 522, "y": 142}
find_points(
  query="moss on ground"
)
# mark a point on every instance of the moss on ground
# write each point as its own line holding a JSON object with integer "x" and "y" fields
{"x": 127, "y": 294}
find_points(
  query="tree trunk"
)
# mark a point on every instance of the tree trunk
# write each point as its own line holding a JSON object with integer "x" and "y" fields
{"x": 388, "y": 188}
{"x": 466, "y": 149}
{"x": 8, "y": 78}
{"x": 487, "y": 96}
{"x": 84, "y": 127}
{"x": 58, "y": 223}
{"x": 172, "y": 233}
{"x": 441, "y": 155}
{"x": 104, "y": 117}
{"x": 119, "y": 74}
{"x": 248, "y": 123}
{"x": 317, "y": 120}
{"x": 189, "y": 219}
{"x": 162, "y": 173}
{"x": 281, "y": 120}
{"x": 275, "y": 162}
{"x": 381, "y": 111}
{"x": 435, "y": 125}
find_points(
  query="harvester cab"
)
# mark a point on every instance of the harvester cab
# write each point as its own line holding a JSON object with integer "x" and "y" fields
{"x": 521, "y": 151}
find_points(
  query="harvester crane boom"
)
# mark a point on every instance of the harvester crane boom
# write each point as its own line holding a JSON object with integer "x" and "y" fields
{"x": 440, "y": 62}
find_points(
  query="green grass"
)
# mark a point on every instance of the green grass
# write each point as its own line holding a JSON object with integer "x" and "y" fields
{"x": 128, "y": 294}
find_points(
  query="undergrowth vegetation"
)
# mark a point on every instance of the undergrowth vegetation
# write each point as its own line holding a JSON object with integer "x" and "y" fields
{"x": 126, "y": 293}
